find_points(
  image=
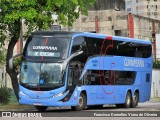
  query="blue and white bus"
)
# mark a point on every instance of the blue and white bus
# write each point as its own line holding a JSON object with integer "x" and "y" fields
{"x": 81, "y": 69}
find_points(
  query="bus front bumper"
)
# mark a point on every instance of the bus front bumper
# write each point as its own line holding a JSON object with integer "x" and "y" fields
{"x": 47, "y": 101}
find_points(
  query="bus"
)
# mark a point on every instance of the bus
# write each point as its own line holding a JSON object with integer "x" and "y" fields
{"x": 82, "y": 70}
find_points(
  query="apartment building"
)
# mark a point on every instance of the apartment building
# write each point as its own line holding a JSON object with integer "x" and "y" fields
{"x": 146, "y": 8}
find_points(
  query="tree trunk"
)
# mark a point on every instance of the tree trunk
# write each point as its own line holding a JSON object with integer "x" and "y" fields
{"x": 12, "y": 72}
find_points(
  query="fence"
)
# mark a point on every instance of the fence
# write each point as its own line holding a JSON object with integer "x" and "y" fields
{"x": 155, "y": 90}
{"x": 5, "y": 79}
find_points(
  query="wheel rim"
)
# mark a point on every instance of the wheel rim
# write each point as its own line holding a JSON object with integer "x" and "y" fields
{"x": 80, "y": 102}
{"x": 128, "y": 101}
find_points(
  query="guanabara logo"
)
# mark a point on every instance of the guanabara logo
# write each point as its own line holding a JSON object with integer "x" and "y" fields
{"x": 44, "y": 48}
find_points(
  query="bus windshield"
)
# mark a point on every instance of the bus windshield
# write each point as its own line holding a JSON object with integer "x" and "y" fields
{"x": 43, "y": 76}
{"x": 47, "y": 48}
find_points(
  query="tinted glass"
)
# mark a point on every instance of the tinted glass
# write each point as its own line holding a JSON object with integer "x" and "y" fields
{"x": 109, "y": 77}
{"x": 96, "y": 46}
{"x": 46, "y": 48}
{"x": 45, "y": 76}
{"x": 79, "y": 44}
{"x": 147, "y": 77}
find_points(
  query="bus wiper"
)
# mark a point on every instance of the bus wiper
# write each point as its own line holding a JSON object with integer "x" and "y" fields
{"x": 69, "y": 58}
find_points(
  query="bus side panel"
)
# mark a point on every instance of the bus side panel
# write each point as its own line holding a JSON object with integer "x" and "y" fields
{"x": 108, "y": 94}
{"x": 145, "y": 87}
{"x": 101, "y": 94}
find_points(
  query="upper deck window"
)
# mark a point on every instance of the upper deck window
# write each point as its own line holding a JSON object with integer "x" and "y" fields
{"x": 96, "y": 46}
{"x": 46, "y": 48}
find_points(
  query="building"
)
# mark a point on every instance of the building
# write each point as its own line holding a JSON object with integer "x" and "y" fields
{"x": 158, "y": 46}
{"x": 146, "y": 8}
{"x": 108, "y": 5}
{"x": 119, "y": 23}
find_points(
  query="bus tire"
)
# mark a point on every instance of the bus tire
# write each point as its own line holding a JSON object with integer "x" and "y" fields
{"x": 128, "y": 100}
{"x": 41, "y": 108}
{"x": 135, "y": 100}
{"x": 81, "y": 103}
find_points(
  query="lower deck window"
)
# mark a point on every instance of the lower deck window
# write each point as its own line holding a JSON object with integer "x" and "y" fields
{"x": 108, "y": 77}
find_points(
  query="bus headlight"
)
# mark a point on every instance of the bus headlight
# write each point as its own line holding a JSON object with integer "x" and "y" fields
{"x": 59, "y": 94}
{"x": 20, "y": 92}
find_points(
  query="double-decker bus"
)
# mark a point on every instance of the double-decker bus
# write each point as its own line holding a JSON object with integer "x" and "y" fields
{"x": 81, "y": 70}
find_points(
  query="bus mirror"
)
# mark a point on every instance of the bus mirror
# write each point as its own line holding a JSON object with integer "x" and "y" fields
{"x": 12, "y": 59}
{"x": 69, "y": 58}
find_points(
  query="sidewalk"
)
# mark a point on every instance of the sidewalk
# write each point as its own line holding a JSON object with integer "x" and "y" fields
{"x": 154, "y": 100}
{"x": 16, "y": 107}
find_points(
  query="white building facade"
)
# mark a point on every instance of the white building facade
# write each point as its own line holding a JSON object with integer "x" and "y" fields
{"x": 146, "y": 8}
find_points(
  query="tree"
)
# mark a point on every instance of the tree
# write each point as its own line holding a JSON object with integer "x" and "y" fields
{"x": 2, "y": 56}
{"x": 37, "y": 14}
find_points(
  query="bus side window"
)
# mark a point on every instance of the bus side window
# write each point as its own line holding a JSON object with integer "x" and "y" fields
{"x": 70, "y": 77}
{"x": 87, "y": 78}
{"x": 74, "y": 74}
{"x": 147, "y": 77}
{"x": 78, "y": 43}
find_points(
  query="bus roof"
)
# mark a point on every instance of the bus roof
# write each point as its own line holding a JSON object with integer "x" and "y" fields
{"x": 51, "y": 33}
{"x": 88, "y": 34}
{"x": 119, "y": 38}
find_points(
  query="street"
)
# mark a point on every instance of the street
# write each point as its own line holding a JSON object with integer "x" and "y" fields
{"x": 148, "y": 109}
{"x": 147, "y": 106}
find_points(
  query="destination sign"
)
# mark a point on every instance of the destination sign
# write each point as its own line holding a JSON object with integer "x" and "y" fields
{"x": 45, "y": 54}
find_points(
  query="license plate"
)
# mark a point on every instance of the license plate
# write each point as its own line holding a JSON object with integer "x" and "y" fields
{"x": 39, "y": 104}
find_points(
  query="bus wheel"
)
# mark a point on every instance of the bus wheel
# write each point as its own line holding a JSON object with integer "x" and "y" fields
{"x": 127, "y": 103}
{"x": 81, "y": 103}
{"x": 135, "y": 100}
{"x": 41, "y": 108}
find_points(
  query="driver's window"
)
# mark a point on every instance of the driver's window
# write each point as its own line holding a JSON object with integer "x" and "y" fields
{"x": 78, "y": 43}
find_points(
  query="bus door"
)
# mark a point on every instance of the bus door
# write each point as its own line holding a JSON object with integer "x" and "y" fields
{"x": 109, "y": 89}
{"x": 73, "y": 76}
{"x": 93, "y": 87}
{"x": 102, "y": 86}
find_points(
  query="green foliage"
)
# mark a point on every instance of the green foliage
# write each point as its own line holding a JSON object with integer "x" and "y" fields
{"x": 38, "y": 13}
{"x": 156, "y": 64}
{"x": 4, "y": 95}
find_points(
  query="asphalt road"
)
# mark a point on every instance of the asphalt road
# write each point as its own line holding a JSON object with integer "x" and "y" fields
{"x": 147, "y": 106}
{"x": 148, "y": 110}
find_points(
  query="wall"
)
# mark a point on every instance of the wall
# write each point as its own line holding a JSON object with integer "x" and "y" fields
{"x": 109, "y": 22}
{"x": 155, "y": 89}
{"x": 108, "y": 5}
{"x": 158, "y": 46}
{"x": 117, "y": 23}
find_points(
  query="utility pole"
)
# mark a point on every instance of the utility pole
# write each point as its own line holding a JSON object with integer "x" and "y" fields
{"x": 154, "y": 40}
